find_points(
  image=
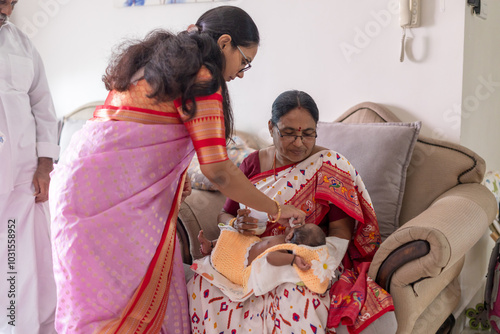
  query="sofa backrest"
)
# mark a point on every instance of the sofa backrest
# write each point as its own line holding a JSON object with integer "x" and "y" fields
{"x": 74, "y": 121}
{"x": 435, "y": 167}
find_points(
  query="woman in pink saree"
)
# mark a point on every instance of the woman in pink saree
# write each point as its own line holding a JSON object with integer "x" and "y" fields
{"x": 332, "y": 194}
{"x": 115, "y": 197}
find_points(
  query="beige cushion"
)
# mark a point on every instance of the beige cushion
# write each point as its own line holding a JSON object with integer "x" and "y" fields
{"x": 381, "y": 153}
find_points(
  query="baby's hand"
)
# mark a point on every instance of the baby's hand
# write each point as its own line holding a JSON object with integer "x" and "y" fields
{"x": 301, "y": 263}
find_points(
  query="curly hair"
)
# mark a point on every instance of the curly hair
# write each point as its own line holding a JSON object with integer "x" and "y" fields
{"x": 171, "y": 62}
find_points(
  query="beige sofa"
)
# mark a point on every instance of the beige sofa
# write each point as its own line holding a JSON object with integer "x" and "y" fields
{"x": 444, "y": 212}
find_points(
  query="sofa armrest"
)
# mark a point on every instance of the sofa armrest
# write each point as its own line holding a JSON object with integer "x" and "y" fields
{"x": 452, "y": 224}
{"x": 199, "y": 212}
{"x": 400, "y": 256}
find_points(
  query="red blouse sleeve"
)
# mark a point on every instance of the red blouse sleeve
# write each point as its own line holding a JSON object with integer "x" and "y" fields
{"x": 206, "y": 128}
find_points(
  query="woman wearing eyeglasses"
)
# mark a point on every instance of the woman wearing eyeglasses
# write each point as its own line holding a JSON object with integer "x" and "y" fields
{"x": 115, "y": 197}
{"x": 294, "y": 170}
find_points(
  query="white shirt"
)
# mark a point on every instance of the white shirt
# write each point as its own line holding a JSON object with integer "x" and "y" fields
{"x": 28, "y": 123}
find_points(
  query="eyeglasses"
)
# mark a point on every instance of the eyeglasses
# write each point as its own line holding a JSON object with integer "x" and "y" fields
{"x": 305, "y": 138}
{"x": 247, "y": 62}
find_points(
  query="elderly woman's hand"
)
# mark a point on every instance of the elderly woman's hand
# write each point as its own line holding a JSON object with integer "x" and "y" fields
{"x": 244, "y": 223}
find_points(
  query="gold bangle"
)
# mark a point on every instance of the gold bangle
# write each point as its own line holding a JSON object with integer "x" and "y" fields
{"x": 278, "y": 215}
{"x": 231, "y": 222}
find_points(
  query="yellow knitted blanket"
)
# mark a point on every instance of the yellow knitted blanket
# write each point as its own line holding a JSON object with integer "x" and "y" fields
{"x": 230, "y": 253}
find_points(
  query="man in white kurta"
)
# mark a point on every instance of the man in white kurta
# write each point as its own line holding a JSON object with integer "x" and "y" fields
{"x": 28, "y": 145}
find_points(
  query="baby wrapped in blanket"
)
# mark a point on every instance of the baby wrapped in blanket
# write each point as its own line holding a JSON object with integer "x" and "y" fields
{"x": 303, "y": 247}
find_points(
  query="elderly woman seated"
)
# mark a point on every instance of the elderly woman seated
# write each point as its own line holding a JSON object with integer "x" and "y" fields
{"x": 321, "y": 182}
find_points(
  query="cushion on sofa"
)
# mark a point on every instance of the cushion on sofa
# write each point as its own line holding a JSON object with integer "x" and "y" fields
{"x": 381, "y": 153}
{"x": 427, "y": 177}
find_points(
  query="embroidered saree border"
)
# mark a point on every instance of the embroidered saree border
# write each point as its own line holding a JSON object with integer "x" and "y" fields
{"x": 335, "y": 186}
{"x": 207, "y": 128}
{"x": 132, "y": 114}
{"x": 144, "y": 313}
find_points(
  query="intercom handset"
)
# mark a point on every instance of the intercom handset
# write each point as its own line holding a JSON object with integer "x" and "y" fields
{"x": 409, "y": 17}
{"x": 409, "y": 13}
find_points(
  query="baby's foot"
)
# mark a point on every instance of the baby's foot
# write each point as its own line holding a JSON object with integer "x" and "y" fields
{"x": 205, "y": 244}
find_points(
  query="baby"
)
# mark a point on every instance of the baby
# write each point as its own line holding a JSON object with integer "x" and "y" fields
{"x": 234, "y": 251}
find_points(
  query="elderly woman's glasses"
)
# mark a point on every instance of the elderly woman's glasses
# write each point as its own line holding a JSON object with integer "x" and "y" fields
{"x": 306, "y": 137}
{"x": 247, "y": 62}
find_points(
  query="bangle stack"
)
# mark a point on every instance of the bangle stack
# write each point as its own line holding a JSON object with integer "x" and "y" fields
{"x": 231, "y": 222}
{"x": 278, "y": 215}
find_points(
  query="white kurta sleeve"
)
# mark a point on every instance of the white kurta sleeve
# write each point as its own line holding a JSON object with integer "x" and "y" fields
{"x": 42, "y": 108}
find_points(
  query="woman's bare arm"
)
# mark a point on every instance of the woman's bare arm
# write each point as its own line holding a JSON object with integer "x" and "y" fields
{"x": 231, "y": 182}
{"x": 224, "y": 217}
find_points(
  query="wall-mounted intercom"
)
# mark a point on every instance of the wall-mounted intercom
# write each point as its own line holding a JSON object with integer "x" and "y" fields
{"x": 409, "y": 17}
{"x": 409, "y": 13}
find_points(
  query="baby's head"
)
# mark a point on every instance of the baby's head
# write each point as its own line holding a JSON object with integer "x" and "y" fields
{"x": 307, "y": 234}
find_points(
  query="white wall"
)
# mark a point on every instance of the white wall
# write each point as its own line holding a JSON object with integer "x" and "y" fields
{"x": 480, "y": 118}
{"x": 341, "y": 52}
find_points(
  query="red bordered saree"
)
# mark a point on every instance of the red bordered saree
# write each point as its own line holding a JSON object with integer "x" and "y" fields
{"x": 116, "y": 198}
